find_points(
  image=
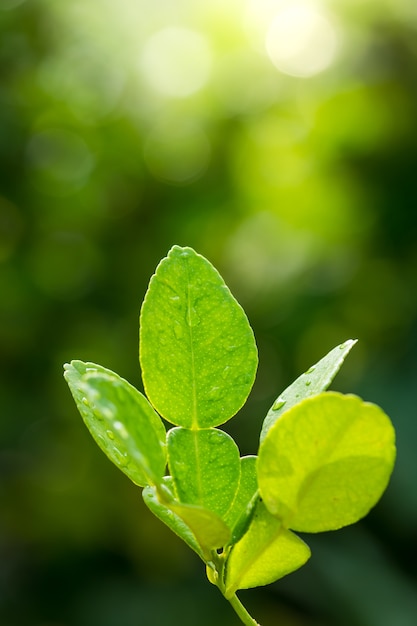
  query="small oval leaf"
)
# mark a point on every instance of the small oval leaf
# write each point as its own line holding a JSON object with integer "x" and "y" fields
{"x": 205, "y": 467}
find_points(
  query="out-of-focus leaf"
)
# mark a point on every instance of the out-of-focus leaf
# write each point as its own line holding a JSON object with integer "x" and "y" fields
{"x": 326, "y": 462}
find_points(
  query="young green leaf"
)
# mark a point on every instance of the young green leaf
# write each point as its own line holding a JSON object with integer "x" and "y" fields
{"x": 171, "y": 519}
{"x": 121, "y": 421}
{"x": 201, "y": 529}
{"x": 266, "y": 552}
{"x": 315, "y": 380}
{"x": 326, "y": 462}
{"x": 208, "y": 528}
{"x": 238, "y": 516}
{"x": 205, "y": 467}
{"x": 197, "y": 349}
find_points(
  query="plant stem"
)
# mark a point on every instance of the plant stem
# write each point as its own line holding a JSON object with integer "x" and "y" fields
{"x": 242, "y": 612}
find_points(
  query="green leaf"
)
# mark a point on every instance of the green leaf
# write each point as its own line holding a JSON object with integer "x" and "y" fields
{"x": 265, "y": 553}
{"x": 208, "y": 528}
{"x": 326, "y": 462}
{"x": 197, "y": 350}
{"x": 171, "y": 519}
{"x": 202, "y": 530}
{"x": 315, "y": 380}
{"x": 205, "y": 467}
{"x": 239, "y": 514}
{"x": 121, "y": 421}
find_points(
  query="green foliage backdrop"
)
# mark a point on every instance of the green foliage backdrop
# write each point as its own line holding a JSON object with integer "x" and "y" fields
{"x": 289, "y": 162}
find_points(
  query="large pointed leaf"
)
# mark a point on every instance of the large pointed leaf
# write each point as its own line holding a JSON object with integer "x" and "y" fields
{"x": 265, "y": 553}
{"x": 326, "y": 462}
{"x": 121, "y": 420}
{"x": 197, "y": 349}
{"x": 205, "y": 467}
{"x": 315, "y": 380}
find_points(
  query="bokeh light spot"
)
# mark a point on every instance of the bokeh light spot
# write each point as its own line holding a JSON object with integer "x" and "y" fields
{"x": 176, "y": 61}
{"x": 301, "y": 41}
{"x": 60, "y": 160}
{"x": 177, "y": 152}
{"x": 64, "y": 265}
{"x": 7, "y": 5}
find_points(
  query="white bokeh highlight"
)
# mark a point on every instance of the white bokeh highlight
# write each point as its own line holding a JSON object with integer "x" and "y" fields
{"x": 301, "y": 40}
{"x": 176, "y": 61}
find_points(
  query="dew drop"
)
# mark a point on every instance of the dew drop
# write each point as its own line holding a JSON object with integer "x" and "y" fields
{"x": 121, "y": 429}
{"x": 226, "y": 371}
{"x": 278, "y": 404}
{"x": 214, "y": 393}
{"x": 85, "y": 401}
{"x": 174, "y": 298}
{"x": 308, "y": 383}
{"x": 122, "y": 458}
{"x": 310, "y": 369}
{"x": 110, "y": 434}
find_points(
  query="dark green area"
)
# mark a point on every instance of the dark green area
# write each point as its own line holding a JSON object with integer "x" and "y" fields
{"x": 307, "y": 207}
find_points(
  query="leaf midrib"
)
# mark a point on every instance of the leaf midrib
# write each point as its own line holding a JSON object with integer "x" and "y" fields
{"x": 188, "y": 321}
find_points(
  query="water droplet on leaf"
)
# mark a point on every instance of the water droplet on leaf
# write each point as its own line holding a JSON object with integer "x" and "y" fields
{"x": 214, "y": 393}
{"x": 122, "y": 458}
{"x": 310, "y": 369}
{"x": 110, "y": 434}
{"x": 226, "y": 371}
{"x": 278, "y": 404}
{"x": 121, "y": 429}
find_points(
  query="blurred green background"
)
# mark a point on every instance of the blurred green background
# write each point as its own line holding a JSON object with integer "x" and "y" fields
{"x": 279, "y": 139}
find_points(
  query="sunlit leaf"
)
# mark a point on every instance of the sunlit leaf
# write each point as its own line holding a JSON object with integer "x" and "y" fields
{"x": 326, "y": 462}
{"x": 197, "y": 349}
{"x": 265, "y": 553}
{"x": 315, "y": 380}
{"x": 121, "y": 420}
{"x": 205, "y": 467}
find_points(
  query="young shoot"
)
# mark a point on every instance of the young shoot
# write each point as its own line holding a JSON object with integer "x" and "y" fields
{"x": 323, "y": 461}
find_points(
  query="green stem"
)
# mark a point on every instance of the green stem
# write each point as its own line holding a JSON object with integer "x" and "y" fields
{"x": 242, "y": 612}
{"x": 219, "y": 560}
